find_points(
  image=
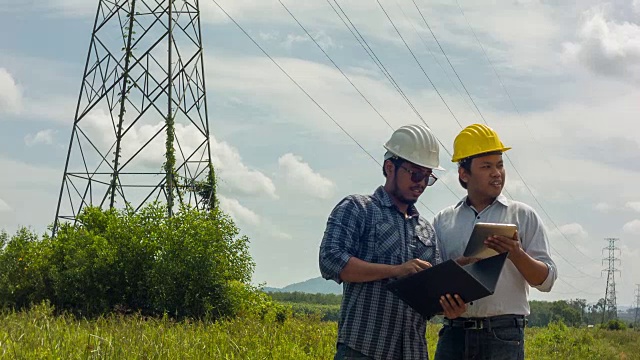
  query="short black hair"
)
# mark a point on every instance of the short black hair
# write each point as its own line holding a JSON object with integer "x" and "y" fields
{"x": 466, "y": 165}
{"x": 396, "y": 161}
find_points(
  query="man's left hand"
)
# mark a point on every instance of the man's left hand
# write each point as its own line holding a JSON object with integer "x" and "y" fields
{"x": 452, "y": 305}
{"x": 504, "y": 244}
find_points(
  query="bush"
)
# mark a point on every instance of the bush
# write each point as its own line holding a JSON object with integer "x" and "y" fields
{"x": 189, "y": 265}
{"x": 614, "y": 324}
{"x": 251, "y": 302}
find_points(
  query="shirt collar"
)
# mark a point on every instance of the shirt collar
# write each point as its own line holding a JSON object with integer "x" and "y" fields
{"x": 500, "y": 199}
{"x": 383, "y": 197}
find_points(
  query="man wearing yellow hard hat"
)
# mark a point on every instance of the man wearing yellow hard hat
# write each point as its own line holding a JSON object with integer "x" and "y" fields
{"x": 492, "y": 327}
{"x": 372, "y": 239}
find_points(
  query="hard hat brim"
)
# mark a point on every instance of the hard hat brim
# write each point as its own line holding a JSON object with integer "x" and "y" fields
{"x": 460, "y": 158}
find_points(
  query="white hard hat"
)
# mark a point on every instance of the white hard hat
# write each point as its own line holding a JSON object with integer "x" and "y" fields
{"x": 416, "y": 144}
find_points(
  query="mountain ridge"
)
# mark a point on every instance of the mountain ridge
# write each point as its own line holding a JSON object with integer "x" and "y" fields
{"x": 317, "y": 285}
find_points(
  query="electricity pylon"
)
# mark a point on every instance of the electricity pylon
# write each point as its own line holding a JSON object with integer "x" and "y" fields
{"x": 140, "y": 131}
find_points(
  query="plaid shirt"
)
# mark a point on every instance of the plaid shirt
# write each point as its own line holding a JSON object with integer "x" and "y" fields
{"x": 372, "y": 320}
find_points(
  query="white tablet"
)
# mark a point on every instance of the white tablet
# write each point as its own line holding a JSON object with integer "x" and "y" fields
{"x": 481, "y": 231}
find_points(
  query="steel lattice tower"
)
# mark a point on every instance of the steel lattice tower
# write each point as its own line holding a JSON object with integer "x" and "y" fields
{"x": 140, "y": 131}
{"x": 610, "y": 306}
{"x": 636, "y": 318}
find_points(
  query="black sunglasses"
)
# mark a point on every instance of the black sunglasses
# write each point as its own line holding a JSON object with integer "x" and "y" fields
{"x": 418, "y": 176}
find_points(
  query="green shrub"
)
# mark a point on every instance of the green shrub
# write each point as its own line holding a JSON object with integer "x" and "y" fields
{"x": 250, "y": 302}
{"x": 188, "y": 265}
{"x": 614, "y": 324}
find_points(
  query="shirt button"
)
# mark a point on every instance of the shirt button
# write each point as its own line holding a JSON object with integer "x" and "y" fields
{"x": 478, "y": 217}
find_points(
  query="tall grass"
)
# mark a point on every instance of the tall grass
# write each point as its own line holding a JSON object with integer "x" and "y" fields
{"x": 38, "y": 334}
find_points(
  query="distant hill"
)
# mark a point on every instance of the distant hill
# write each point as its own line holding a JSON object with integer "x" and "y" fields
{"x": 312, "y": 286}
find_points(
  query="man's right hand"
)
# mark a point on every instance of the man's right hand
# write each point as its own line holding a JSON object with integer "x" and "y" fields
{"x": 410, "y": 267}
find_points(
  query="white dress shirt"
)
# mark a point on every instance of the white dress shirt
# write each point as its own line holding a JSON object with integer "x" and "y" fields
{"x": 453, "y": 227}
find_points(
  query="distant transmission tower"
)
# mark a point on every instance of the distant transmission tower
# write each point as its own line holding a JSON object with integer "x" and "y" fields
{"x": 636, "y": 318}
{"x": 140, "y": 131}
{"x": 610, "y": 306}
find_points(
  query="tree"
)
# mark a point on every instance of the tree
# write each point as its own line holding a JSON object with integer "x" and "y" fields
{"x": 581, "y": 305}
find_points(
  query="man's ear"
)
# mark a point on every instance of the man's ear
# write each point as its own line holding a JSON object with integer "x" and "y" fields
{"x": 389, "y": 167}
{"x": 463, "y": 175}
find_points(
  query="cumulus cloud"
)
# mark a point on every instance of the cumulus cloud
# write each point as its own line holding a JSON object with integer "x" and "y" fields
{"x": 632, "y": 227}
{"x": 10, "y": 93}
{"x": 301, "y": 176}
{"x": 574, "y": 231}
{"x": 238, "y": 211}
{"x": 41, "y": 137}
{"x": 633, "y": 205}
{"x": 234, "y": 175}
{"x": 603, "y": 207}
{"x": 606, "y": 46}
{"x": 324, "y": 40}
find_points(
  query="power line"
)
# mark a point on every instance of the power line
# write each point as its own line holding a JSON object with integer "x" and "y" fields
{"x": 393, "y": 81}
{"x": 418, "y": 62}
{"x": 347, "y": 77}
{"x": 303, "y": 90}
{"x": 435, "y": 58}
{"x": 382, "y": 68}
{"x": 335, "y": 65}
{"x": 428, "y": 78}
{"x": 295, "y": 82}
{"x": 479, "y": 112}
{"x": 515, "y": 107}
{"x": 365, "y": 45}
{"x": 578, "y": 290}
{"x": 571, "y": 264}
{"x": 328, "y": 115}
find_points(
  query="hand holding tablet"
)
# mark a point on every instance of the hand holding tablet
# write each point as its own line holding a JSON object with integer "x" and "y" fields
{"x": 476, "y": 247}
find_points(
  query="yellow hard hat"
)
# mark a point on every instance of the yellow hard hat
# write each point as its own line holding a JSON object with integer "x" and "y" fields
{"x": 474, "y": 140}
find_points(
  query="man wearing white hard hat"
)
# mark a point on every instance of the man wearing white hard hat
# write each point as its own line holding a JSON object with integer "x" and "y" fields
{"x": 372, "y": 239}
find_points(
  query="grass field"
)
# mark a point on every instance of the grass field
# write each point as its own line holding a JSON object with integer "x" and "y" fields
{"x": 38, "y": 334}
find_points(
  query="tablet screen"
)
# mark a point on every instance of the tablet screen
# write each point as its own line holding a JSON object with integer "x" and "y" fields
{"x": 481, "y": 231}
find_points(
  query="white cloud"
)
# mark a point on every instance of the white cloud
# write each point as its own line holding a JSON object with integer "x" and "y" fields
{"x": 606, "y": 46}
{"x": 10, "y": 93}
{"x": 604, "y": 207}
{"x": 4, "y": 207}
{"x": 325, "y": 41}
{"x": 234, "y": 175}
{"x": 516, "y": 187}
{"x": 632, "y": 227}
{"x": 238, "y": 211}
{"x": 42, "y": 137}
{"x": 574, "y": 231}
{"x": 301, "y": 176}
{"x": 633, "y": 205}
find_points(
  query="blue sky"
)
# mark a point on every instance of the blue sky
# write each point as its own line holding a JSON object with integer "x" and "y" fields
{"x": 569, "y": 111}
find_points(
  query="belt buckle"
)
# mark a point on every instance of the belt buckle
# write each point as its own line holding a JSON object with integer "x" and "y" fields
{"x": 472, "y": 325}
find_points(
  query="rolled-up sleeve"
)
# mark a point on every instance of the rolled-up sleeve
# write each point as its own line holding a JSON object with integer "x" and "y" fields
{"x": 537, "y": 246}
{"x": 341, "y": 236}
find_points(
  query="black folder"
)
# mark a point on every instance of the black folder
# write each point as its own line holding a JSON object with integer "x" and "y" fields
{"x": 423, "y": 289}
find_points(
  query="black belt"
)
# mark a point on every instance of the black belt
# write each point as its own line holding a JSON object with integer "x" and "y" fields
{"x": 500, "y": 321}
